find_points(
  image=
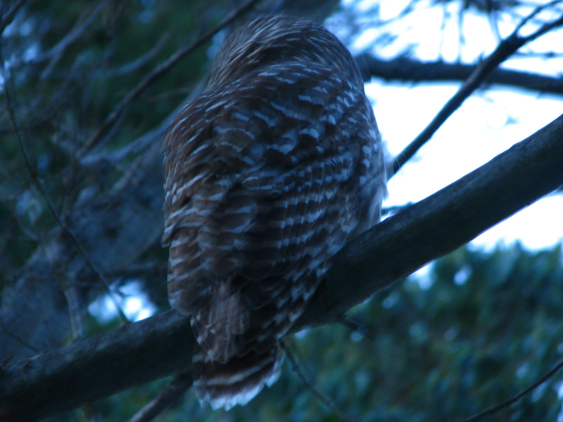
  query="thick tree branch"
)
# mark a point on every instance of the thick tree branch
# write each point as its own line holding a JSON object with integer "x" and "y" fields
{"x": 411, "y": 70}
{"x": 130, "y": 355}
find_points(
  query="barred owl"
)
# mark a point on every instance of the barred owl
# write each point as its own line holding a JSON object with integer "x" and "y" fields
{"x": 269, "y": 172}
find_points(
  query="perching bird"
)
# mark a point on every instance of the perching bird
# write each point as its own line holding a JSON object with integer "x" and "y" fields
{"x": 269, "y": 173}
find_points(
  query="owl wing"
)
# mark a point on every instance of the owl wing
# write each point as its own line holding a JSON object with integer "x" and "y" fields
{"x": 267, "y": 178}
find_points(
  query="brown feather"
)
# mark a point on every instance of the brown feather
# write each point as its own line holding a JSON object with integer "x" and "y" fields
{"x": 268, "y": 174}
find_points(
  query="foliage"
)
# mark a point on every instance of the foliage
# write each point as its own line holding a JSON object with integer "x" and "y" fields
{"x": 71, "y": 64}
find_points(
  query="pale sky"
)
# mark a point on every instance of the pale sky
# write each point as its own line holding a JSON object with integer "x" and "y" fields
{"x": 487, "y": 124}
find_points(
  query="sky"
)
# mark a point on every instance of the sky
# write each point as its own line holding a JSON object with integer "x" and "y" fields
{"x": 488, "y": 123}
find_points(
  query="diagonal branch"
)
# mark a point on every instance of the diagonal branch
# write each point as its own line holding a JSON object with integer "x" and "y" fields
{"x": 162, "y": 345}
{"x": 324, "y": 400}
{"x": 517, "y": 397}
{"x": 441, "y": 223}
{"x": 505, "y": 49}
{"x": 167, "y": 396}
{"x": 157, "y": 74}
{"x": 9, "y": 17}
{"x": 79, "y": 29}
{"x": 39, "y": 186}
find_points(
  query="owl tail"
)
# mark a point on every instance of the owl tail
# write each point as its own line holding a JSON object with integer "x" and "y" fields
{"x": 238, "y": 380}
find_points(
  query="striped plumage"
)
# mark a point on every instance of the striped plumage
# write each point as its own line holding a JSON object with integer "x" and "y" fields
{"x": 269, "y": 173}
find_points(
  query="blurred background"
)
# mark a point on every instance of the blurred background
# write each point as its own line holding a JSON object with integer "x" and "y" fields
{"x": 84, "y": 108}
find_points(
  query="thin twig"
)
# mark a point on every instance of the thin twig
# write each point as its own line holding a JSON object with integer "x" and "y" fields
{"x": 295, "y": 368}
{"x": 10, "y": 15}
{"x": 504, "y": 50}
{"x": 167, "y": 396}
{"x": 18, "y": 339}
{"x": 534, "y": 13}
{"x": 517, "y": 397}
{"x": 156, "y": 74}
{"x": 136, "y": 64}
{"x": 107, "y": 73}
{"x": 74, "y": 309}
{"x": 35, "y": 180}
{"x": 80, "y": 27}
{"x": 145, "y": 141}
{"x": 356, "y": 327}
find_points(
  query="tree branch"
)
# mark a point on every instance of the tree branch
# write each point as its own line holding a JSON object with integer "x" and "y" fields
{"x": 9, "y": 17}
{"x": 108, "y": 229}
{"x": 410, "y": 70}
{"x": 165, "y": 398}
{"x": 517, "y": 397}
{"x": 97, "y": 367}
{"x": 504, "y": 50}
{"x": 161, "y": 70}
{"x": 307, "y": 384}
{"x": 441, "y": 223}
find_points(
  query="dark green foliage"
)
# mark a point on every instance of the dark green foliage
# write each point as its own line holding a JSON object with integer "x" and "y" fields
{"x": 61, "y": 96}
{"x": 483, "y": 328}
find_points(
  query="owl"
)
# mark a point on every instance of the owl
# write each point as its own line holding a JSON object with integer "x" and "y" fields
{"x": 269, "y": 173}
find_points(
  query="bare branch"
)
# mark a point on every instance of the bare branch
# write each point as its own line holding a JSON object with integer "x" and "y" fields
{"x": 9, "y": 17}
{"x": 39, "y": 186}
{"x": 532, "y": 15}
{"x": 141, "y": 61}
{"x": 505, "y": 49}
{"x": 443, "y": 222}
{"x": 167, "y": 396}
{"x": 19, "y": 340}
{"x": 79, "y": 29}
{"x": 156, "y": 74}
{"x": 355, "y": 326}
{"x": 295, "y": 368}
{"x": 411, "y": 70}
{"x": 517, "y": 397}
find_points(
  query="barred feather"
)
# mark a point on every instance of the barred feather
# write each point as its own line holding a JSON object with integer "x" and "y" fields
{"x": 268, "y": 174}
